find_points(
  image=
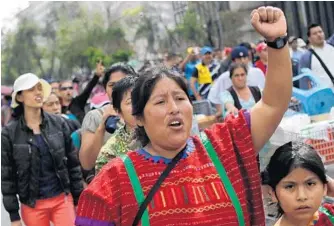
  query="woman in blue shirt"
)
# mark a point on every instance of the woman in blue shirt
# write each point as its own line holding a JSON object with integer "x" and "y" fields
{"x": 239, "y": 95}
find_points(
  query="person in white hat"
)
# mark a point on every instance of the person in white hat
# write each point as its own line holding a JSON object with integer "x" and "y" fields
{"x": 27, "y": 82}
{"x": 38, "y": 160}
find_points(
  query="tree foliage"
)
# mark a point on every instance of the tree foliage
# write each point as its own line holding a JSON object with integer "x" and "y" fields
{"x": 232, "y": 27}
{"x": 70, "y": 40}
{"x": 20, "y": 52}
{"x": 191, "y": 29}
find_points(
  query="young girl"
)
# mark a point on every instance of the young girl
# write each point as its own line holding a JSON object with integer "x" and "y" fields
{"x": 298, "y": 184}
{"x": 122, "y": 139}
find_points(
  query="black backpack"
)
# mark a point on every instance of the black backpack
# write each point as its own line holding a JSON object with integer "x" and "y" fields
{"x": 254, "y": 90}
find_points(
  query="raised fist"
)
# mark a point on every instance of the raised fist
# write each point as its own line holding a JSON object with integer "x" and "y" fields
{"x": 269, "y": 22}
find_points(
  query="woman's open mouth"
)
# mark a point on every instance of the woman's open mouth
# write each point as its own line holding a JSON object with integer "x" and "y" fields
{"x": 175, "y": 123}
{"x": 39, "y": 99}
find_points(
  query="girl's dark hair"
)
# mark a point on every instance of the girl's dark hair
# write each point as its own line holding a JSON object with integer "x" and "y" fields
{"x": 125, "y": 68}
{"x": 143, "y": 90}
{"x": 235, "y": 66}
{"x": 290, "y": 156}
{"x": 19, "y": 110}
{"x": 119, "y": 89}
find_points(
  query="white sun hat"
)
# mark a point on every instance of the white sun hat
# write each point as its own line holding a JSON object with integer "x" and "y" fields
{"x": 27, "y": 81}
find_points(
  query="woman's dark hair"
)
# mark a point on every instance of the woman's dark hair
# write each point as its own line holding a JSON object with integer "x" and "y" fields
{"x": 235, "y": 66}
{"x": 19, "y": 110}
{"x": 119, "y": 89}
{"x": 290, "y": 156}
{"x": 143, "y": 90}
{"x": 125, "y": 68}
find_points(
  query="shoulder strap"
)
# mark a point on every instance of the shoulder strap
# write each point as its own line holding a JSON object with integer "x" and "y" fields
{"x": 235, "y": 98}
{"x": 323, "y": 65}
{"x": 142, "y": 213}
{"x": 255, "y": 92}
{"x": 327, "y": 213}
{"x": 224, "y": 178}
{"x": 139, "y": 194}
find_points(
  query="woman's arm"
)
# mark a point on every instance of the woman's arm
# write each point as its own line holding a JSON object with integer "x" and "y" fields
{"x": 266, "y": 115}
{"x": 227, "y": 102}
{"x": 81, "y": 100}
{"x": 92, "y": 141}
{"x": 184, "y": 62}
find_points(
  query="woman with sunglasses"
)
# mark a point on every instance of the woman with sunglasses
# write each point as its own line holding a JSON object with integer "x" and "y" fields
{"x": 75, "y": 107}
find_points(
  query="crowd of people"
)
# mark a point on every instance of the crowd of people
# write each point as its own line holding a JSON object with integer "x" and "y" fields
{"x": 128, "y": 157}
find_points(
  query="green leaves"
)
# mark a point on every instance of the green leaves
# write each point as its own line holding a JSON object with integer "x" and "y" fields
{"x": 20, "y": 53}
{"x": 190, "y": 30}
{"x": 70, "y": 39}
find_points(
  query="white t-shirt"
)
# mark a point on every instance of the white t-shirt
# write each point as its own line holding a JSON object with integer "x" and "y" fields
{"x": 327, "y": 55}
{"x": 255, "y": 77}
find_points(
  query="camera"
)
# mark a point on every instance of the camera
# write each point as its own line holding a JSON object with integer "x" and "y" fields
{"x": 111, "y": 124}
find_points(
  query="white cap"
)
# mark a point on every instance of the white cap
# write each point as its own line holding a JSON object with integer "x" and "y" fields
{"x": 27, "y": 81}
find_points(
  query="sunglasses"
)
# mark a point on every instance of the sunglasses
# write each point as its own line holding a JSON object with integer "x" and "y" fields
{"x": 66, "y": 88}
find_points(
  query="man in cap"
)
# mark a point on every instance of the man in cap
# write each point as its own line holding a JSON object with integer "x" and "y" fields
{"x": 261, "y": 50}
{"x": 205, "y": 73}
{"x": 255, "y": 76}
{"x": 188, "y": 66}
{"x": 250, "y": 51}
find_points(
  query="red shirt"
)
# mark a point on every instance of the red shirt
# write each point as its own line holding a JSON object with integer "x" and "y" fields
{"x": 259, "y": 64}
{"x": 323, "y": 218}
{"x": 192, "y": 194}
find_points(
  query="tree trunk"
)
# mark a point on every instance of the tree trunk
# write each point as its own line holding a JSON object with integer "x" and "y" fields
{"x": 219, "y": 26}
{"x": 171, "y": 36}
{"x": 209, "y": 33}
{"x": 53, "y": 58}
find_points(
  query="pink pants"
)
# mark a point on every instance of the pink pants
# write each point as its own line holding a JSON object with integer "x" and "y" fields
{"x": 59, "y": 210}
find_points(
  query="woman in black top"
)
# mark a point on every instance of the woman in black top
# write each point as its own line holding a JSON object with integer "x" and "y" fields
{"x": 39, "y": 162}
